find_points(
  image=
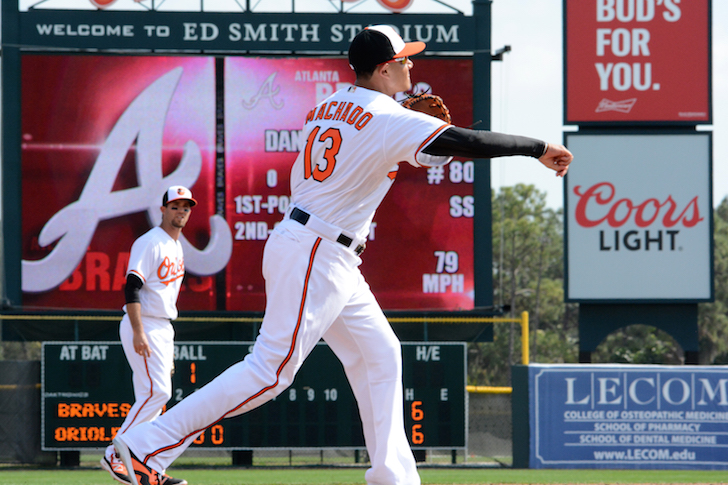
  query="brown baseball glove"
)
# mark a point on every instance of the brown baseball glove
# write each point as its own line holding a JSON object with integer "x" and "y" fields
{"x": 430, "y": 104}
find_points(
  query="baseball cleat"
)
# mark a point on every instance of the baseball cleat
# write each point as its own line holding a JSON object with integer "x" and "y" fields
{"x": 116, "y": 468}
{"x": 143, "y": 475}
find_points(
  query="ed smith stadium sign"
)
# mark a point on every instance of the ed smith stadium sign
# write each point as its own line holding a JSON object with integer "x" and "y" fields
{"x": 238, "y": 32}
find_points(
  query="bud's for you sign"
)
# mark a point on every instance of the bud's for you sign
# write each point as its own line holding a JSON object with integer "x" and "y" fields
{"x": 639, "y": 218}
{"x": 637, "y": 61}
{"x": 617, "y": 416}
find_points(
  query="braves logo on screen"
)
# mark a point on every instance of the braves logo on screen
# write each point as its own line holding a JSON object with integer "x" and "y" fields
{"x": 268, "y": 90}
{"x": 74, "y": 226}
{"x": 598, "y": 205}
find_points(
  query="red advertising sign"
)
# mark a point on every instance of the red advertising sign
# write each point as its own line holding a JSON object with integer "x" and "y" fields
{"x": 630, "y": 61}
{"x": 102, "y": 138}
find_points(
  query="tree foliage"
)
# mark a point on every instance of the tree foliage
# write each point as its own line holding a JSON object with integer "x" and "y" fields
{"x": 528, "y": 275}
{"x": 638, "y": 344}
{"x": 713, "y": 317}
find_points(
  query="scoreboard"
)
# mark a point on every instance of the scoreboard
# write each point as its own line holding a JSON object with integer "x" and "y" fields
{"x": 87, "y": 392}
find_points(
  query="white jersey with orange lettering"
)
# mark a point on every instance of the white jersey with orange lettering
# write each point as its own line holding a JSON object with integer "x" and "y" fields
{"x": 355, "y": 140}
{"x": 158, "y": 260}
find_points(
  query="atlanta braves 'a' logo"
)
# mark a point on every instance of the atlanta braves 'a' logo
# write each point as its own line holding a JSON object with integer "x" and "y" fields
{"x": 141, "y": 126}
{"x": 267, "y": 91}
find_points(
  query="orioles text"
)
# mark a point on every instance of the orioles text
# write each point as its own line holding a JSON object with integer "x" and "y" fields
{"x": 100, "y": 434}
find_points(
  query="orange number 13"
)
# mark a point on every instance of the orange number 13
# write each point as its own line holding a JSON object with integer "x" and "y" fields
{"x": 311, "y": 167}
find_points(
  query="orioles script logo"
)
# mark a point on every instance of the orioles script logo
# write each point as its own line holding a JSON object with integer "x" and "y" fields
{"x": 598, "y": 205}
{"x": 170, "y": 269}
{"x": 74, "y": 226}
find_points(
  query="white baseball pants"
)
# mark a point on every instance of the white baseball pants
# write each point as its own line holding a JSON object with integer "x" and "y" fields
{"x": 151, "y": 376}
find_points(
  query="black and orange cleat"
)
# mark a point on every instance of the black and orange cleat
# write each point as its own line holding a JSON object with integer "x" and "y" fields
{"x": 143, "y": 475}
{"x": 112, "y": 464}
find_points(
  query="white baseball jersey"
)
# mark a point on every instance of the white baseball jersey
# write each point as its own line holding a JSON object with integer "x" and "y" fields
{"x": 157, "y": 259}
{"x": 354, "y": 142}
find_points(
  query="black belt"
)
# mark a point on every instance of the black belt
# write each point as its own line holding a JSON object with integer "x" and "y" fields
{"x": 302, "y": 217}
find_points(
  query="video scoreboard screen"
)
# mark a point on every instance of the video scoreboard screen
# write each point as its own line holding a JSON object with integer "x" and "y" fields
{"x": 229, "y": 128}
{"x": 87, "y": 393}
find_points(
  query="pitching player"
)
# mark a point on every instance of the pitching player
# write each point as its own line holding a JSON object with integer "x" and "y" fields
{"x": 355, "y": 140}
{"x": 153, "y": 280}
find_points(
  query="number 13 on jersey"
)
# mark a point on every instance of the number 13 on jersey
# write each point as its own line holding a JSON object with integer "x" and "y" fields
{"x": 331, "y": 138}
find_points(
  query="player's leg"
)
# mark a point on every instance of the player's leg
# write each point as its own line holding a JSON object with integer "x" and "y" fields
{"x": 372, "y": 358}
{"x": 302, "y": 302}
{"x": 151, "y": 376}
{"x": 151, "y": 380}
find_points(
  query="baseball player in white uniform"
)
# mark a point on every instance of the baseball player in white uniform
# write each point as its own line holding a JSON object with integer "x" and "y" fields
{"x": 355, "y": 140}
{"x": 153, "y": 280}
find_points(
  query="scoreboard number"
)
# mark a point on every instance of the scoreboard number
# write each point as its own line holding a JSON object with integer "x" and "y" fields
{"x": 82, "y": 409}
{"x": 417, "y": 415}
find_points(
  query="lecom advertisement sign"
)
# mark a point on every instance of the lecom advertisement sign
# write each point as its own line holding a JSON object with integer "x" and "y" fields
{"x": 636, "y": 61}
{"x": 628, "y": 416}
{"x": 639, "y": 218}
{"x": 103, "y": 136}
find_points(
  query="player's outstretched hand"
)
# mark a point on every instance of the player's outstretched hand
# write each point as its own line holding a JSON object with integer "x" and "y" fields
{"x": 557, "y": 158}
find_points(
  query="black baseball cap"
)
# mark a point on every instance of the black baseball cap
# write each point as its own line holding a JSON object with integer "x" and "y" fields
{"x": 378, "y": 44}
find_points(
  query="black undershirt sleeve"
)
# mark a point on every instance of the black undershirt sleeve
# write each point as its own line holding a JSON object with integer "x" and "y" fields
{"x": 463, "y": 142}
{"x": 131, "y": 290}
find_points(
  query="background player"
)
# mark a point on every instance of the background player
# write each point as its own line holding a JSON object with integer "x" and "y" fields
{"x": 314, "y": 289}
{"x": 153, "y": 280}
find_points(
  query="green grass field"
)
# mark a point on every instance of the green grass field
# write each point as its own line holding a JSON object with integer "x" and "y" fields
{"x": 355, "y": 476}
